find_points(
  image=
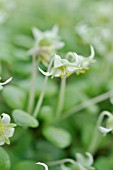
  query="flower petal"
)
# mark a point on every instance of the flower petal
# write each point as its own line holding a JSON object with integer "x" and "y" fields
{"x": 9, "y": 132}
{"x": 45, "y": 73}
{"x": 92, "y": 52}
{"x": 55, "y": 29}
{"x": 81, "y": 167}
{"x": 89, "y": 159}
{"x": 83, "y": 160}
{"x": 58, "y": 73}
{"x": 5, "y": 119}
{"x": 57, "y": 61}
{"x": 7, "y": 81}
{"x": 104, "y": 130}
{"x": 36, "y": 33}
{"x": 2, "y": 140}
{"x": 80, "y": 158}
{"x": 42, "y": 164}
{"x": 70, "y": 69}
{"x": 59, "y": 45}
{"x": 7, "y": 140}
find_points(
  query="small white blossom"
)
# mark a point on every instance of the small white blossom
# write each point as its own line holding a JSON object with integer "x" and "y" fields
{"x": 46, "y": 44}
{"x": 62, "y": 68}
{"x": 85, "y": 162}
{"x": 81, "y": 61}
{"x": 109, "y": 124}
{"x": 6, "y": 129}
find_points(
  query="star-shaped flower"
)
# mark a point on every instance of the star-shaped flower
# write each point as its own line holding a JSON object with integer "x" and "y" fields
{"x": 6, "y": 129}
{"x": 62, "y": 68}
{"x": 46, "y": 44}
{"x": 85, "y": 162}
{"x": 81, "y": 61}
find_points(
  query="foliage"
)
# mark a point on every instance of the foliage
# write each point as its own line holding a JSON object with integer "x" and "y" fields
{"x": 45, "y": 137}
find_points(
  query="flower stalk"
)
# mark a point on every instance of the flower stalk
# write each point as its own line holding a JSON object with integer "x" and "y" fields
{"x": 87, "y": 103}
{"x": 39, "y": 103}
{"x": 96, "y": 136}
{"x": 61, "y": 98}
{"x": 33, "y": 84}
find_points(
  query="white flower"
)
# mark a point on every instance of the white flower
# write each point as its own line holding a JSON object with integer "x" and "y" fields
{"x": 6, "y": 129}
{"x": 62, "y": 68}
{"x": 109, "y": 123}
{"x": 85, "y": 162}
{"x": 46, "y": 44}
{"x": 4, "y": 83}
{"x": 81, "y": 61}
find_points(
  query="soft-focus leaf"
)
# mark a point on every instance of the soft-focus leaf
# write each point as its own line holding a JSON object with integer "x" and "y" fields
{"x": 57, "y": 136}
{"x": 103, "y": 163}
{"x": 22, "y": 118}
{"x": 14, "y": 97}
{"x": 29, "y": 165}
{"x": 4, "y": 160}
{"x": 47, "y": 114}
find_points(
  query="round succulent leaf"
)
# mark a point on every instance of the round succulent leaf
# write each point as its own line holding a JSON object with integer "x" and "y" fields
{"x": 23, "y": 118}
{"x": 57, "y": 136}
{"x": 14, "y": 97}
{"x": 47, "y": 114}
{"x": 4, "y": 160}
{"x": 29, "y": 165}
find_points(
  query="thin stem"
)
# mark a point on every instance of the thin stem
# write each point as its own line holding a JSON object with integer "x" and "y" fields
{"x": 63, "y": 161}
{"x": 33, "y": 84}
{"x": 61, "y": 98}
{"x": 96, "y": 136}
{"x": 39, "y": 103}
{"x": 88, "y": 103}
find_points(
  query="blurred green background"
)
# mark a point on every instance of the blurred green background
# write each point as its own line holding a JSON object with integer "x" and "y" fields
{"x": 81, "y": 23}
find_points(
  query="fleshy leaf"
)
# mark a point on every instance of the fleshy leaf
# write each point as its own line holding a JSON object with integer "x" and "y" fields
{"x": 4, "y": 160}
{"x": 24, "y": 119}
{"x": 57, "y": 136}
{"x": 14, "y": 97}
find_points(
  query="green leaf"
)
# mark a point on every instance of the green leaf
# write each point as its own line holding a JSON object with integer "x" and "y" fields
{"x": 4, "y": 160}
{"x": 50, "y": 91}
{"x": 57, "y": 136}
{"x": 22, "y": 118}
{"x": 29, "y": 165}
{"x": 15, "y": 97}
{"x": 47, "y": 114}
{"x": 103, "y": 163}
{"x": 1, "y": 87}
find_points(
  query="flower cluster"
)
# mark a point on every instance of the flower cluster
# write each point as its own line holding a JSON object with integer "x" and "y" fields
{"x": 65, "y": 67}
{"x": 6, "y": 129}
{"x": 62, "y": 68}
{"x": 4, "y": 83}
{"x": 46, "y": 44}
